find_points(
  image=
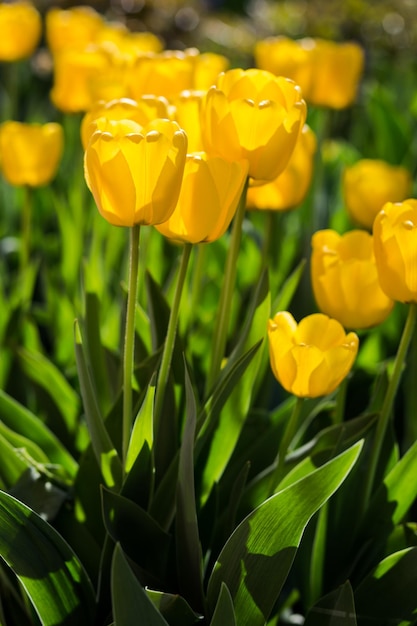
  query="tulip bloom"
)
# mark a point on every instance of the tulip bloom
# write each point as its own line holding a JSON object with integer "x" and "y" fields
{"x": 310, "y": 359}
{"x": 327, "y": 72}
{"x": 20, "y": 30}
{"x": 345, "y": 279}
{"x": 135, "y": 172}
{"x": 142, "y": 111}
{"x": 69, "y": 29}
{"x": 253, "y": 115}
{"x": 209, "y": 196}
{"x": 395, "y": 247}
{"x": 289, "y": 189}
{"x": 371, "y": 183}
{"x": 165, "y": 74}
{"x": 207, "y": 67}
{"x": 186, "y": 110}
{"x": 30, "y": 153}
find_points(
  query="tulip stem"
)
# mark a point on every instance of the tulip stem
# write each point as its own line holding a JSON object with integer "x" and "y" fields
{"x": 170, "y": 337}
{"x": 392, "y": 388}
{"x": 226, "y": 296}
{"x": 288, "y": 436}
{"x": 26, "y": 227}
{"x": 129, "y": 347}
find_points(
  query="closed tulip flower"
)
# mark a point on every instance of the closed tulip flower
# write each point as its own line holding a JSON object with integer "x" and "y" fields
{"x": 327, "y": 72}
{"x": 165, "y": 74}
{"x": 253, "y": 115}
{"x": 395, "y": 247}
{"x": 310, "y": 359}
{"x": 371, "y": 183}
{"x": 209, "y": 196}
{"x": 20, "y": 30}
{"x": 207, "y": 67}
{"x": 345, "y": 279}
{"x": 135, "y": 172}
{"x": 141, "y": 111}
{"x": 30, "y": 153}
{"x": 69, "y": 29}
{"x": 289, "y": 189}
{"x": 187, "y": 112}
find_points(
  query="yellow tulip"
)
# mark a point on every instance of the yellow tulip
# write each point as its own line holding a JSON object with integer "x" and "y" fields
{"x": 30, "y": 153}
{"x": 69, "y": 29}
{"x": 141, "y": 111}
{"x": 20, "y": 30}
{"x": 289, "y": 189}
{"x": 187, "y": 112}
{"x": 327, "y": 72}
{"x": 395, "y": 247}
{"x": 74, "y": 71}
{"x": 165, "y": 74}
{"x": 253, "y": 115}
{"x": 371, "y": 183}
{"x": 135, "y": 172}
{"x": 310, "y": 359}
{"x": 208, "y": 200}
{"x": 345, "y": 279}
{"x": 207, "y": 67}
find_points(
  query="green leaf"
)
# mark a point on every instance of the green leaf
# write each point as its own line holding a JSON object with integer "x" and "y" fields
{"x": 104, "y": 450}
{"x": 263, "y": 546}
{"x": 49, "y": 571}
{"x": 189, "y": 557}
{"x": 287, "y": 291}
{"x": 44, "y": 373}
{"x": 20, "y": 419}
{"x": 335, "y": 609}
{"x": 237, "y": 406}
{"x": 224, "y": 612}
{"x": 140, "y": 536}
{"x": 174, "y": 608}
{"x": 130, "y": 602}
{"x": 142, "y": 431}
{"x": 12, "y": 465}
{"x": 387, "y": 595}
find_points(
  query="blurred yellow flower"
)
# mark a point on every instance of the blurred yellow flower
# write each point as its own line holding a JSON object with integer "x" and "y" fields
{"x": 135, "y": 172}
{"x": 20, "y": 30}
{"x": 69, "y": 29}
{"x": 253, "y": 115}
{"x": 141, "y": 111}
{"x": 164, "y": 74}
{"x": 345, "y": 279}
{"x": 369, "y": 184}
{"x": 74, "y": 73}
{"x": 310, "y": 359}
{"x": 327, "y": 72}
{"x": 30, "y": 153}
{"x": 210, "y": 192}
{"x": 395, "y": 247}
{"x": 289, "y": 189}
{"x": 207, "y": 67}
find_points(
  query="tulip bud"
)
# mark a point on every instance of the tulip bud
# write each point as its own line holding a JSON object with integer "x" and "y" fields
{"x": 135, "y": 172}
{"x": 208, "y": 200}
{"x": 345, "y": 279}
{"x": 395, "y": 247}
{"x": 256, "y": 116}
{"x": 310, "y": 359}
{"x": 30, "y": 153}
{"x": 20, "y": 30}
{"x": 369, "y": 184}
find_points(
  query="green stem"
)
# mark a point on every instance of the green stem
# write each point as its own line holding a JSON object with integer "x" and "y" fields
{"x": 170, "y": 337}
{"x": 287, "y": 437}
{"x": 226, "y": 296}
{"x": 26, "y": 226}
{"x": 385, "y": 413}
{"x": 129, "y": 347}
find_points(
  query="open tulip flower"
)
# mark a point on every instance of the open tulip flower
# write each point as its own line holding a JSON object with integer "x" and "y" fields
{"x": 135, "y": 172}
{"x": 30, "y": 153}
{"x": 254, "y": 115}
{"x": 395, "y": 247}
{"x": 289, "y": 189}
{"x": 310, "y": 359}
{"x": 209, "y": 196}
{"x": 371, "y": 183}
{"x": 345, "y": 279}
{"x": 327, "y": 72}
{"x": 20, "y": 30}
